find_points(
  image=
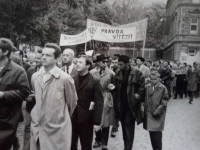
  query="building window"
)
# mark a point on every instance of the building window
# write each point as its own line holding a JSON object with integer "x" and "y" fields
{"x": 192, "y": 51}
{"x": 196, "y": 1}
{"x": 194, "y": 26}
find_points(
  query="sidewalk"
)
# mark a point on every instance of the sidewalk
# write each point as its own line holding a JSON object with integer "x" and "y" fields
{"x": 182, "y": 129}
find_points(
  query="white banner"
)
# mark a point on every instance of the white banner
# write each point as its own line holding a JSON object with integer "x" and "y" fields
{"x": 140, "y": 32}
{"x": 110, "y": 34}
{"x": 80, "y": 38}
{"x": 185, "y": 58}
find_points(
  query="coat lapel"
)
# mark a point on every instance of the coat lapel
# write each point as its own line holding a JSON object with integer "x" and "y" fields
{"x": 85, "y": 81}
{"x": 119, "y": 76}
{"x": 131, "y": 75}
{"x": 73, "y": 71}
{"x": 155, "y": 90}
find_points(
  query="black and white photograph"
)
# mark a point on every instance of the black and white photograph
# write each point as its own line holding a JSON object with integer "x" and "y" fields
{"x": 99, "y": 74}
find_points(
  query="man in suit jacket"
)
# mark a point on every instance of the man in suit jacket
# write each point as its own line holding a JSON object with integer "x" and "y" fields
{"x": 68, "y": 66}
{"x": 165, "y": 76}
{"x": 89, "y": 107}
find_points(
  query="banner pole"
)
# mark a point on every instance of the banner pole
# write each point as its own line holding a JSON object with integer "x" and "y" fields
{"x": 144, "y": 42}
{"x": 85, "y": 46}
{"x": 149, "y": 54}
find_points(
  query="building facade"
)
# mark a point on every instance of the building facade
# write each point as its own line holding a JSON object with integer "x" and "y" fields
{"x": 183, "y": 24}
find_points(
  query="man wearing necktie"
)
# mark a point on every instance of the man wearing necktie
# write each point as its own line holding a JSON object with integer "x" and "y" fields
{"x": 68, "y": 66}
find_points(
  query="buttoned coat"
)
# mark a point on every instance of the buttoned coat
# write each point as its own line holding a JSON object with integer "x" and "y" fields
{"x": 88, "y": 91}
{"x": 136, "y": 84}
{"x": 73, "y": 72}
{"x": 155, "y": 107}
{"x": 14, "y": 84}
{"x": 193, "y": 77}
{"x": 106, "y": 78}
{"x": 55, "y": 103}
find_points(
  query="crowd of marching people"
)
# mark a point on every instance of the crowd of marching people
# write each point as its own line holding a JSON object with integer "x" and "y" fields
{"x": 69, "y": 98}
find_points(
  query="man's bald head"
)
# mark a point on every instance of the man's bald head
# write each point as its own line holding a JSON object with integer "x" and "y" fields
{"x": 68, "y": 56}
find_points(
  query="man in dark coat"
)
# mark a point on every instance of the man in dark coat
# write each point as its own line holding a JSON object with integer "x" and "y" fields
{"x": 14, "y": 89}
{"x": 89, "y": 107}
{"x": 165, "y": 76}
{"x": 156, "y": 98}
{"x": 129, "y": 90}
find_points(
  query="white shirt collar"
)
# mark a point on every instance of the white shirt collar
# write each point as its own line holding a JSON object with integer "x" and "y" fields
{"x": 52, "y": 71}
{"x": 70, "y": 68}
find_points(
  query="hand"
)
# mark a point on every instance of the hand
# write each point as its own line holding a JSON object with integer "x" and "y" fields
{"x": 137, "y": 96}
{"x": 92, "y": 106}
{"x": 30, "y": 98}
{"x": 96, "y": 128}
{"x": 111, "y": 87}
{"x": 1, "y": 95}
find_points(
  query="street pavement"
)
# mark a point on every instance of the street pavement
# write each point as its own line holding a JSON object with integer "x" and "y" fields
{"x": 182, "y": 129}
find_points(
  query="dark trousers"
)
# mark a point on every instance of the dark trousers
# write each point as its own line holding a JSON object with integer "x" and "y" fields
{"x": 27, "y": 131}
{"x": 116, "y": 124}
{"x": 128, "y": 128}
{"x": 102, "y": 136}
{"x": 197, "y": 93}
{"x": 179, "y": 86}
{"x": 84, "y": 131}
{"x": 191, "y": 95}
{"x": 156, "y": 139}
{"x": 167, "y": 85}
{"x": 185, "y": 88}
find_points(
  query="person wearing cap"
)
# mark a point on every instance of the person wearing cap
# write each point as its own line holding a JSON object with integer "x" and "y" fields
{"x": 155, "y": 106}
{"x": 105, "y": 75}
{"x": 144, "y": 69}
{"x": 68, "y": 66}
{"x": 128, "y": 95}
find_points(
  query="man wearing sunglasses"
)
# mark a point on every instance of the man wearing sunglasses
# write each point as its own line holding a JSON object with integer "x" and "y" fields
{"x": 105, "y": 75}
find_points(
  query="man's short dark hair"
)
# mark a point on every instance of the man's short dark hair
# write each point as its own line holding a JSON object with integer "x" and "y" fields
{"x": 150, "y": 61}
{"x": 141, "y": 59}
{"x": 88, "y": 61}
{"x": 39, "y": 51}
{"x": 55, "y": 47}
{"x": 6, "y": 45}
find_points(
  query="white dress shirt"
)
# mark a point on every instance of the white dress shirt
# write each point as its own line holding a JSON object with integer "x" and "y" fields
{"x": 70, "y": 68}
{"x": 47, "y": 75}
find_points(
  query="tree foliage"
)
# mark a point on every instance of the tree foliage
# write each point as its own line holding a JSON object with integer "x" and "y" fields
{"x": 39, "y": 21}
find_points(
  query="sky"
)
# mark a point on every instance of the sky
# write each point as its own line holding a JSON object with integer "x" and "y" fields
{"x": 151, "y": 1}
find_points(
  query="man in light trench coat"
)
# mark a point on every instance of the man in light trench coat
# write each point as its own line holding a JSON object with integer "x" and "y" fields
{"x": 56, "y": 99}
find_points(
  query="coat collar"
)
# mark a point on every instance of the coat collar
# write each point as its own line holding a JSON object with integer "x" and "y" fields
{"x": 7, "y": 67}
{"x": 85, "y": 81}
{"x": 55, "y": 72}
{"x": 119, "y": 74}
{"x": 156, "y": 88}
{"x": 97, "y": 74}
